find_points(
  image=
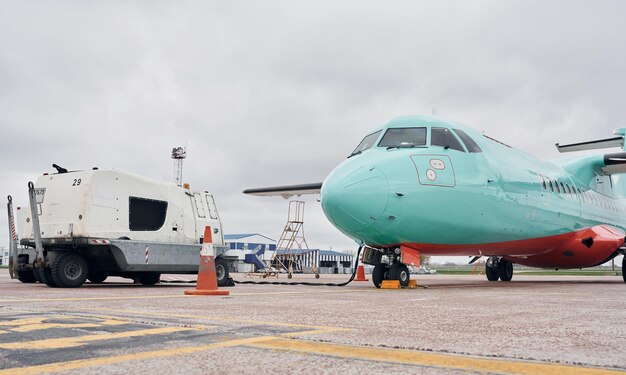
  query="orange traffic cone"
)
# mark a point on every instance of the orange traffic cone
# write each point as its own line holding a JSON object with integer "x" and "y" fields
{"x": 360, "y": 272}
{"x": 207, "y": 280}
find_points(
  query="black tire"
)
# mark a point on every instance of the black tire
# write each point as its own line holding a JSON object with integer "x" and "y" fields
{"x": 149, "y": 278}
{"x": 26, "y": 276}
{"x": 505, "y": 270}
{"x": 380, "y": 273}
{"x": 69, "y": 270}
{"x": 491, "y": 272}
{"x": 221, "y": 272}
{"x": 624, "y": 268}
{"x": 400, "y": 272}
{"x": 45, "y": 275}
{"x": 36, "y": 276}
{"x": 97, "y": 277}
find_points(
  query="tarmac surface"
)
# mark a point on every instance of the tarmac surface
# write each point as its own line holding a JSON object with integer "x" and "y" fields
{"x": 450, "y": 324}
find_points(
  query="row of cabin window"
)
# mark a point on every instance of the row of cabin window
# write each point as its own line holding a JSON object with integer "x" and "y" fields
{"x": 585, "y": 196}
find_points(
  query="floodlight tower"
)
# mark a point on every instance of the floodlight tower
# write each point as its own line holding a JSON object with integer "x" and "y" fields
{"x": 179, "y": 154}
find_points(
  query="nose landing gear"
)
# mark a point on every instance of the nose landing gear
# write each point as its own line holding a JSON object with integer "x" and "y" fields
{"x": 396, "y": 271}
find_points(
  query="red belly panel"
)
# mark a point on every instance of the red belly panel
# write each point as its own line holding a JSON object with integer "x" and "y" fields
{"x": 584, "y": 248}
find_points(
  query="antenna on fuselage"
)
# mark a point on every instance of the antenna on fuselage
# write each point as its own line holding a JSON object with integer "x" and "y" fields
{"x": 434, "y": 111}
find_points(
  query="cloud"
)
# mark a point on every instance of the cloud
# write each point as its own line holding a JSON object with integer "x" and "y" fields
{"x": 280, "y": 92}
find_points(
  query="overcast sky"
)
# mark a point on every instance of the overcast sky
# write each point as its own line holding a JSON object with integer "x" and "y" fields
{"x": 279, "y": 92}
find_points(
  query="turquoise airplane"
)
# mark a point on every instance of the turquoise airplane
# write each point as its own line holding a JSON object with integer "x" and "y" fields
{"x": 421, "y": 185}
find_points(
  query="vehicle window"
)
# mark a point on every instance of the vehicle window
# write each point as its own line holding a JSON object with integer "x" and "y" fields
{"x": 551, "y": 186}
{"x": 563, "y": 188}
{"x": 468, "y": 141}
{"x": 146, "y": 214}
{"x": 556, "y": 184}
{"x": 543, "y": 183}
{"x": 366, "y": 143}
{"x": 442, "y": 137}
{"x": 212, "y": 208}
{"x": 199, "y": 207}
{"x": 403, "y": 137}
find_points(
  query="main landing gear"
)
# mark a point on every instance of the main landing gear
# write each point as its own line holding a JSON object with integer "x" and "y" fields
{"x": 498, "y": 268}
{"x": 393, "y": 271}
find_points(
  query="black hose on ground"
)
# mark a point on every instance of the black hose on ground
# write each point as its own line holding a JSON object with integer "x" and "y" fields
{"x": 356, "y": 266}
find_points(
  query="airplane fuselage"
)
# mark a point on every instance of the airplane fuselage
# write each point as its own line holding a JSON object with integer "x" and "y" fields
{"x": 473, "y": 197}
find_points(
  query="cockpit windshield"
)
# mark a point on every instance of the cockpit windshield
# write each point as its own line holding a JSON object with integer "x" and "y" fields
{"x": 404, "y": 137}
{"x": 366, "y": 143}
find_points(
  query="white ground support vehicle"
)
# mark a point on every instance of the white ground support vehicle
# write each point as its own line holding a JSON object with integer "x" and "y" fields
{"x": 98, "y": 223}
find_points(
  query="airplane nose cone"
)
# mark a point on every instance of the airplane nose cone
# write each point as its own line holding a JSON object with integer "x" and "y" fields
{"x": 355, "y": 202}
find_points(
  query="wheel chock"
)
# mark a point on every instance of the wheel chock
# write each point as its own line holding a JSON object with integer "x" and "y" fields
{"x": 390, "y": 284}
{"x": 412, "y": 284}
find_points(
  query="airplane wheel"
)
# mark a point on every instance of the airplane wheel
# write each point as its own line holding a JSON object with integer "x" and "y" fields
{"x": 400, "y": 272}
{"x": 505, "y": 270}
{"x": 491, "y": 271}
{"x": 380, "y": 273}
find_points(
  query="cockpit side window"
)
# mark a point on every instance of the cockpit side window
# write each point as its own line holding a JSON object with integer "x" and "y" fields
{"x": 468, "y": 141}
{"x": 366, "y": 143}
{"x": 403, "y": 137}
{"x": 444, "y": 138}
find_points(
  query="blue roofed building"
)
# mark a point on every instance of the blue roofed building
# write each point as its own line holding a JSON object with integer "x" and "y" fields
{"x": 254, "y": 250}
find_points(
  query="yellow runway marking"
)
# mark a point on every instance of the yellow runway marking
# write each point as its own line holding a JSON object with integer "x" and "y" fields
{"x": 181, "y": 295}
{"x": 91, "y": 298}
{"x": 234, "y": 320}
{"x": 83, "y": 363}
{"x": 69, "y": 342}
{"x": 446, "y": 361}
{"x": 37, "y": 323}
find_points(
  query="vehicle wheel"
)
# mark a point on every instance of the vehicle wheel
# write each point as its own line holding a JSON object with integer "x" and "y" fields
{"x": 69, "y": 270}
{"x": 491, "y": 271}
{"x": 97, "y": 277}
{"x": 45, "y": 274}
{"x": 624, "y": 268}
{"x": 221, "y": 272}
{"x": 26, "y": 276}
{"x": 380, "y": 273}
{"x": 149, "y": 278}
{"x": 36, "y": 276}
{"x": 317, "y": 275}
{"x": 400, "y": 272}
{"x": 505, "y": 270}
{"x": 289, "y": 276}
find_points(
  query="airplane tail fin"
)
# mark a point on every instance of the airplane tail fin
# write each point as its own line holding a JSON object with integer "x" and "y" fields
{"x": 617, "y": 141}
